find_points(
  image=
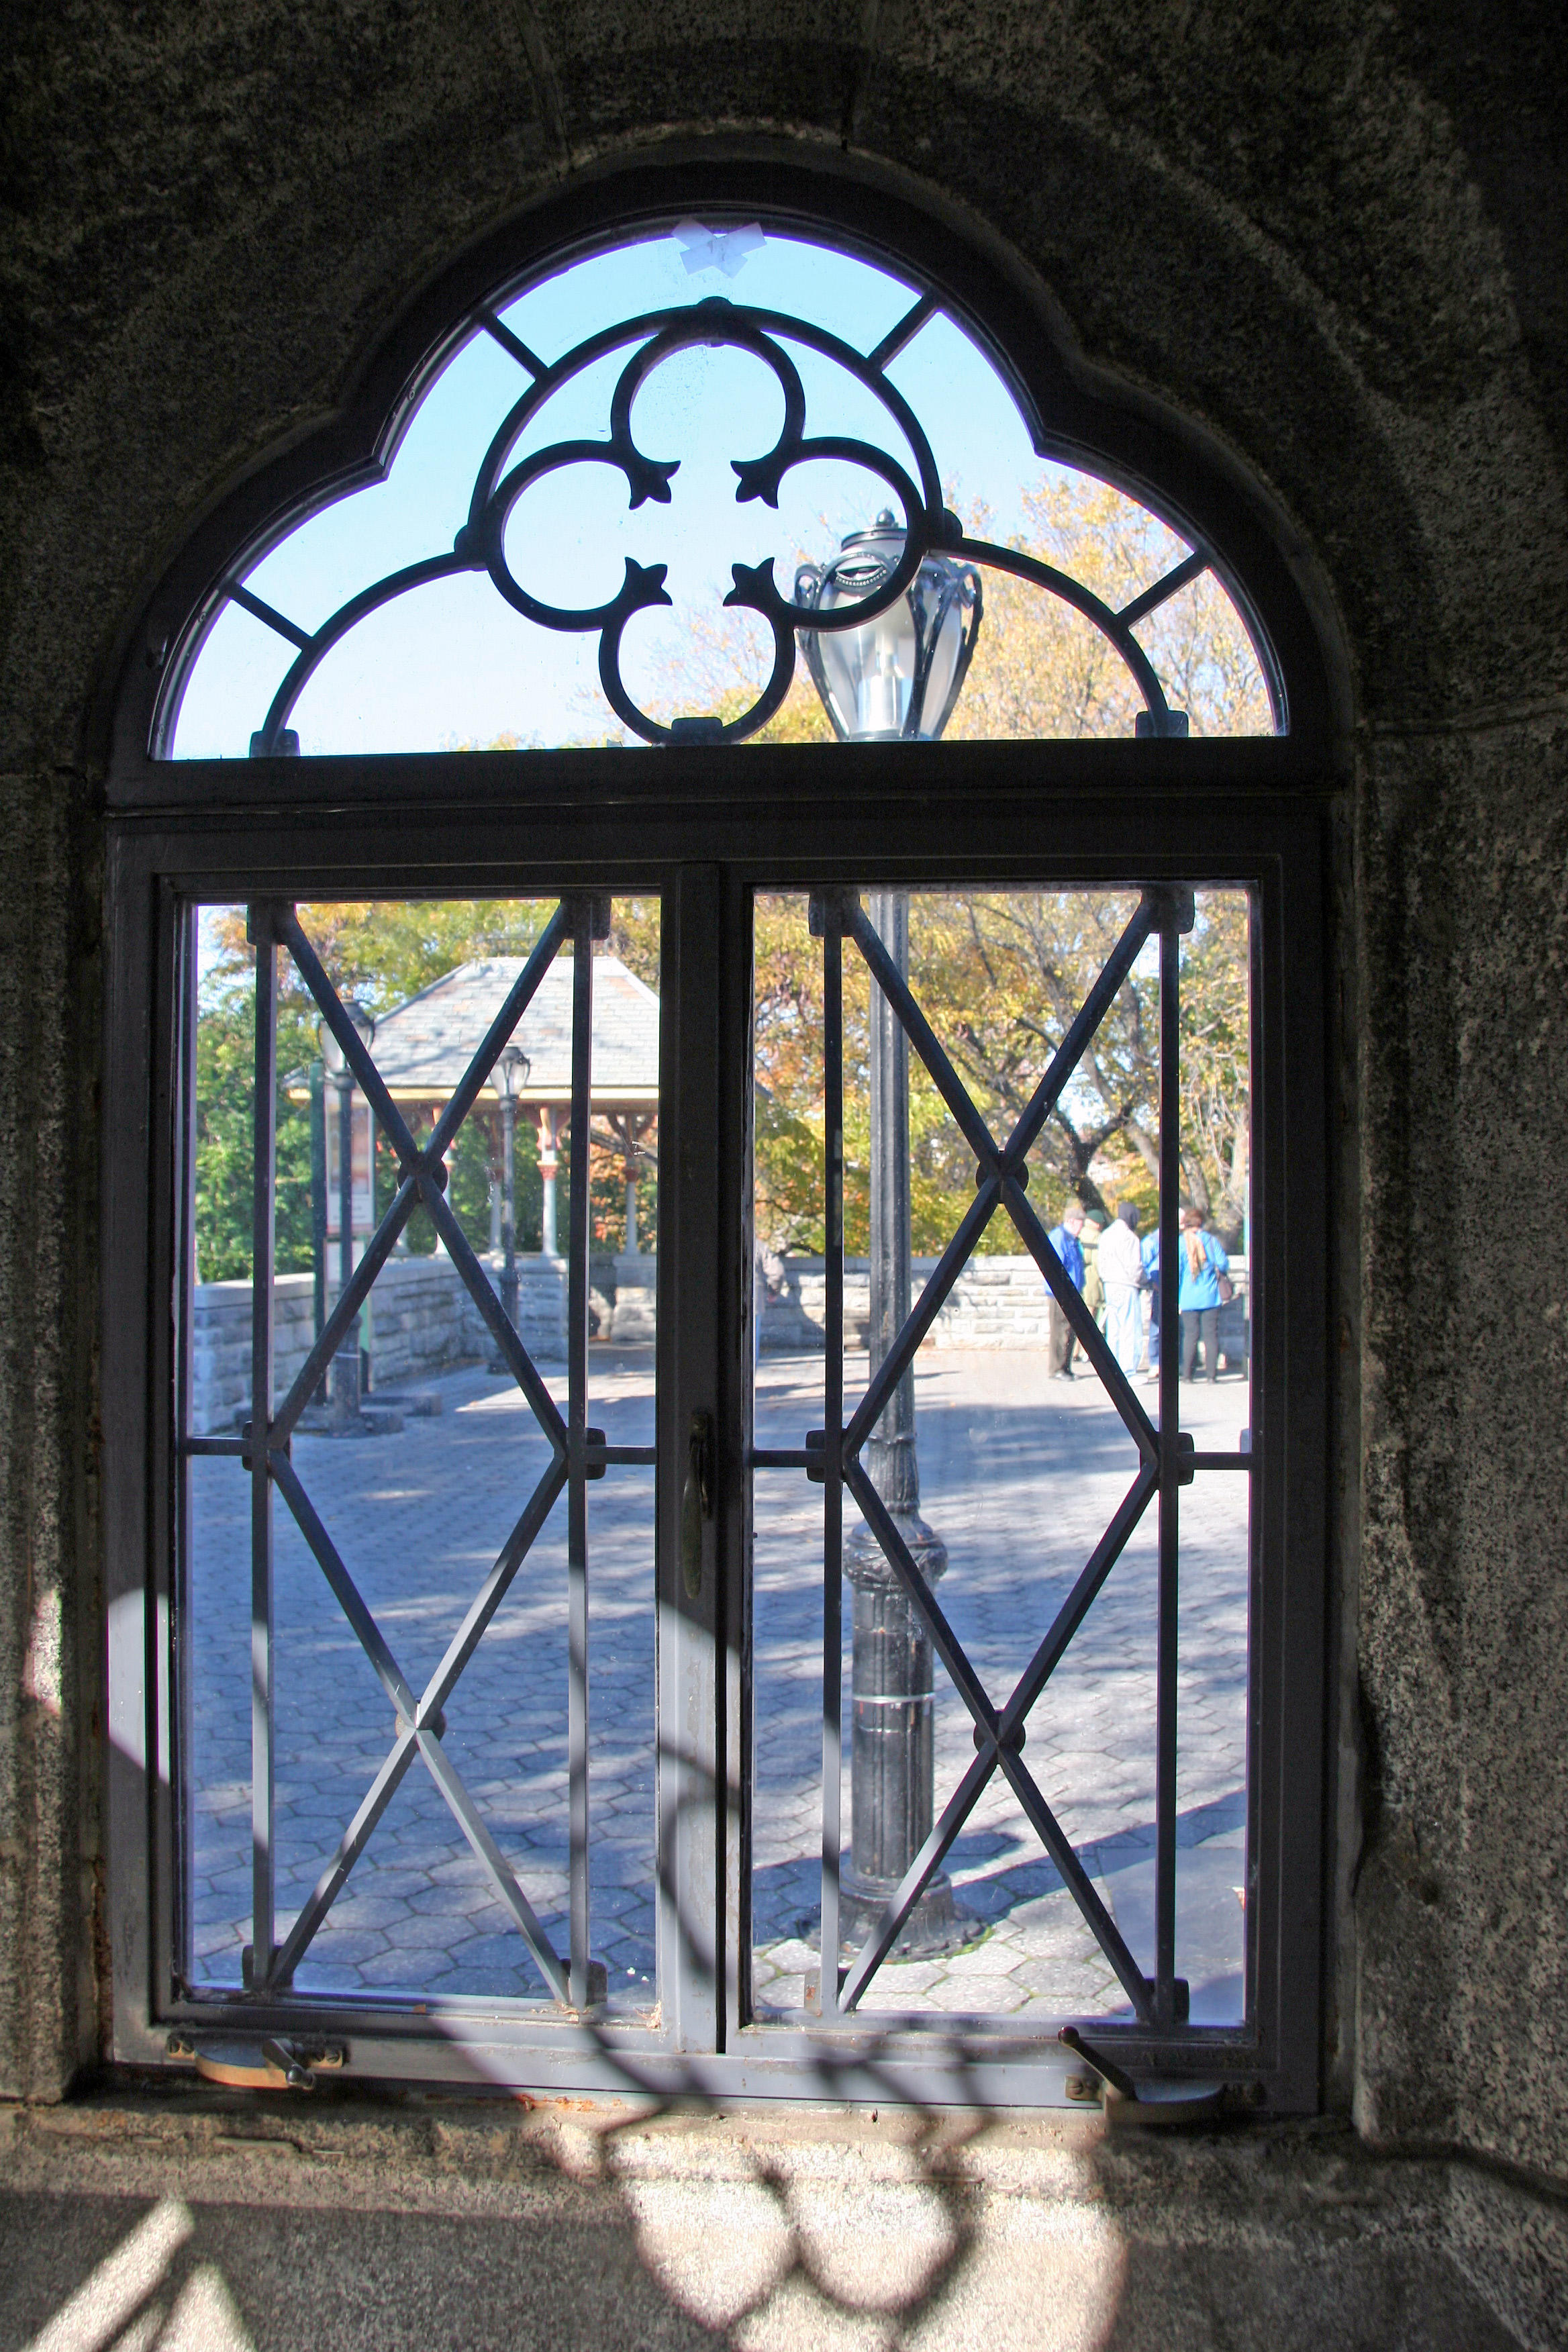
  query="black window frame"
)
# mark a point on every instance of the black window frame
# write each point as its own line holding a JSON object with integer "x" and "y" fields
{"x": 708, "y": 825}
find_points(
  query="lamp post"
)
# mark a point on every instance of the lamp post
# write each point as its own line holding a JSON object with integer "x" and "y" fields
{"x": 319, "y": 1210}
{"x": 508, "y": 1076}
{"x": 345, "y": 1363}
{"x": 895, "y": 679}
{"x": 549, "y": 1142}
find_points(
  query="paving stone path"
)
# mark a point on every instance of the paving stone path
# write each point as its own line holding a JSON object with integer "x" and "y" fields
{"x": 1019, "y": 1477}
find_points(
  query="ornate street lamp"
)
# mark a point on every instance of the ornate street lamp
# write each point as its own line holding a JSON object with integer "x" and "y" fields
{"x": 895, "y": 679}
{"x": 508, "y": 1078}
{"x": 345, "y": 1363}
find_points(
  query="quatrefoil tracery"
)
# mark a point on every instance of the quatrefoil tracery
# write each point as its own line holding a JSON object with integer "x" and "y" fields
{"x": 654, "y": 338}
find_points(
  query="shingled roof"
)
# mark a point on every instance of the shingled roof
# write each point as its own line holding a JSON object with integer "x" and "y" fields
{"x": 422, "y": 1048}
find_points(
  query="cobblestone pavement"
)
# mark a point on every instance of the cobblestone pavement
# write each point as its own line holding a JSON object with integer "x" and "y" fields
{"x": 419, "y": 1518}
{"x": 1018, "y": 1477}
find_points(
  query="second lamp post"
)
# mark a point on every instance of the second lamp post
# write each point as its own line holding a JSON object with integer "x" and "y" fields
{"x": 508, "y": 1078}
{"x": 894, "y": 679}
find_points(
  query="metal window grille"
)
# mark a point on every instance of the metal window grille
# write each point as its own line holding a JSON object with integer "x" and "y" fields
{"x": 1167, "y": 1458}
{"x": 577, "y": 1455}
{"x": 710, "y": 828}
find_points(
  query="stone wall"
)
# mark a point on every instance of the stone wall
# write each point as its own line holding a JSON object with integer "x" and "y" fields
{"x": 996, "y": 1302}
{"x": 423, "y": 1321}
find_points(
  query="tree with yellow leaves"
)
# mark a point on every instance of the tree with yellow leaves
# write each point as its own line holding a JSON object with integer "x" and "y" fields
{"x": 1000, "y": 975}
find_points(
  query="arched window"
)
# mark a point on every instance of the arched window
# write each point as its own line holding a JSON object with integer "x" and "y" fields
{"x": 613, "y": 511}
{"x": 629, "y": 1600}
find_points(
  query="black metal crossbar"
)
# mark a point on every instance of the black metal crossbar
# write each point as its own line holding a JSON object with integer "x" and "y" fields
{"x": 833, "y": 1457}
{"x": 1164, "y": 1462}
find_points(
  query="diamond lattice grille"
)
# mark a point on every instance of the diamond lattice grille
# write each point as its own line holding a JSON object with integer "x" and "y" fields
{"x": 576, "y": 1453}
{"x": 1164, "y": 1462}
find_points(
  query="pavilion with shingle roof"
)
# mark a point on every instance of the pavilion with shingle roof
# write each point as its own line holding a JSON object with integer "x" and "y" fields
{"x": 423, "y": 1048}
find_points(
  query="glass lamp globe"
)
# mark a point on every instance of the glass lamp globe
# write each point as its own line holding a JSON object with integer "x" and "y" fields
{"x": 332, "y": 1054}
{"x": 510, "y": 1073}
{"x": 897, "y": 678}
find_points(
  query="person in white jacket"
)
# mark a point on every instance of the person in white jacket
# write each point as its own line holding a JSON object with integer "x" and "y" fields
{"x": 1122, "y": 1271}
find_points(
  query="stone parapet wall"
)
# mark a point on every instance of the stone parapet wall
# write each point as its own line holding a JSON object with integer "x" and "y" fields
{"x": 996, "y": 1302}
{"x": 423, "y": 1321}
{"x": 220, "y": 1346}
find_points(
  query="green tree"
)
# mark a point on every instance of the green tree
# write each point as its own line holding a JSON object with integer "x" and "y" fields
{"x": 1041, "y": 670}
{"x": 1000, "y": 976}
{"x": 223, "y": 1152}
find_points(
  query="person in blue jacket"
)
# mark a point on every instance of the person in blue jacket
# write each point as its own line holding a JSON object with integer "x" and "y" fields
{"x": 1203, "y": 1264}
{"x": 1064, "y": 1240}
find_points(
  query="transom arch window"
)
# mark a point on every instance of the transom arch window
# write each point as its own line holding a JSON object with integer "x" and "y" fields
{"x": 631, "y": 484}
{"x": 628, "y": 1608}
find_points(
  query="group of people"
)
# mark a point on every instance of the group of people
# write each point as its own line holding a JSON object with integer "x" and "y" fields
{"x": 1125, "y": 1268}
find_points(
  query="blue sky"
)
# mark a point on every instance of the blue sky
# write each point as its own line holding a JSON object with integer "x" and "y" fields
{"x": 452, "y": 662}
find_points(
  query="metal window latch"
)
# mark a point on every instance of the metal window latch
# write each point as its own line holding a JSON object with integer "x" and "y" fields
{"x": 1163, "y": 2099}
{"x": 243, "y": 2064}
{"x": 696, "y": 1501}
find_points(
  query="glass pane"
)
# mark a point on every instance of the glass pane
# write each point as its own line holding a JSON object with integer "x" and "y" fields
{"x": 217, "y": 1821}
{"x": 1012, "y": 1454}
{"x": 416, "y": 1452}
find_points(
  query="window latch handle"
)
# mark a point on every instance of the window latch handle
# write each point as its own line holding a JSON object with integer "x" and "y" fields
{"x": 696, "y": 1501}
